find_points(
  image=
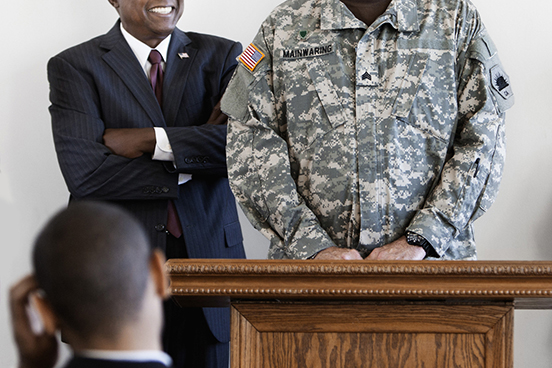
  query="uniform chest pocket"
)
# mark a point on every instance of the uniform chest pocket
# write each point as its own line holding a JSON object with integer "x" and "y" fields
{"x": 426, "y": 96}
{"x": 326, "y": 92}
{"x": 314, "y": 107}
{"x": 407, "y": 84}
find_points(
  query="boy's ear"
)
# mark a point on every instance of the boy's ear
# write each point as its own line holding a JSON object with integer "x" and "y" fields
{"x": 49, "y": 319}
{"x": 157, "y": 271}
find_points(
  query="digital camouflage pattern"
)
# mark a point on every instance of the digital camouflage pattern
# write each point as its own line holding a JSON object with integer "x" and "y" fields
{"x": 349, "y": 135}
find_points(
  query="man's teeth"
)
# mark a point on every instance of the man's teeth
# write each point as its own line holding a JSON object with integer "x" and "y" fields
{"x": 162, "y": 10}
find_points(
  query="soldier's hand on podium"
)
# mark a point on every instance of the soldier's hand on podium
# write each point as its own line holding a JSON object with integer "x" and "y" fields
{"x": 398, "y": 250}
{"x": 336, "y": 253}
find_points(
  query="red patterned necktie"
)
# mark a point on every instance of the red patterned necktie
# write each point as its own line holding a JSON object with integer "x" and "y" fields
{"x": 156, "y": 79}
{"x": 156, "y": 75}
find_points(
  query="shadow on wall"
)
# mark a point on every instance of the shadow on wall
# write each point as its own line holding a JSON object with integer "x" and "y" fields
{"x": 543, "y": 235}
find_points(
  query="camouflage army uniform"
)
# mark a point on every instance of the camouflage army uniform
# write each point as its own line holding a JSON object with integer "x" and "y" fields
{"x": 347, "y": 135}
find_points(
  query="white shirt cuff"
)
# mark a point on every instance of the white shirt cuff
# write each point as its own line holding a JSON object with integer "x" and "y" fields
{"x": 184, "y": 178}
{"x": 163, "y": 152}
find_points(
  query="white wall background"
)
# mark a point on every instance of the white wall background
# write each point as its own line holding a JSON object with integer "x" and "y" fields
{"x": 518, "y": 227}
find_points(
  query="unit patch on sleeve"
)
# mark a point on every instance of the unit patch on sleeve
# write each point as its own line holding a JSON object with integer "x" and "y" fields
{"x": 501, "y": 82}
{"x": 251, "y": 57}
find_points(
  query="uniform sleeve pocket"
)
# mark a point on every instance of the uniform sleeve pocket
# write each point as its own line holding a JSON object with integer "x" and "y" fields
{"x": 233, "y": 234}
{"x": 484, "y": 50}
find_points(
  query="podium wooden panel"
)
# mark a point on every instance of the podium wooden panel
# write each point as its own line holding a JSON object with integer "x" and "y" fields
{"x": 288, "y": 314}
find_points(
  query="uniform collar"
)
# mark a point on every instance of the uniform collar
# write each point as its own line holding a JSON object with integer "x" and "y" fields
{"x": 401, "y": 14}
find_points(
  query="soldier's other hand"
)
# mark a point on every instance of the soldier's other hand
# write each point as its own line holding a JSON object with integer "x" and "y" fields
{"x": 36, "y": 350}
{"x": 336, "y": 253}
{"x": 399, "y": 250}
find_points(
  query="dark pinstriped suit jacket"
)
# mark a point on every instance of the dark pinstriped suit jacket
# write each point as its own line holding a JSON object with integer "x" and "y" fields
{"x": 100, "y": 84}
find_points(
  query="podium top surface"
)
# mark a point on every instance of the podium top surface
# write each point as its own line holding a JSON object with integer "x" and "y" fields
{"x": 217, "y": 282}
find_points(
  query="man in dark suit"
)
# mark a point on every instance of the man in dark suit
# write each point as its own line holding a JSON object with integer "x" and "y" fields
{"x": 98, "y": 280}
{"x": 159, "y": 154}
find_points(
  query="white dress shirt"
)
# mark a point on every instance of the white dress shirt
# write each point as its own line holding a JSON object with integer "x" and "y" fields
{"x": 128, "y": 356}
{"x": 163, "y": 150}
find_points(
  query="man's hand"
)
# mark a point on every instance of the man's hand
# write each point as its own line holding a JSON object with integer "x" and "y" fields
{"x": 217, "y": 116}
{"x": 35, "y": 351}
{"x": 336, "y": 253}
{"x": 399, "y": 250}
{"x": 130, "y": 143}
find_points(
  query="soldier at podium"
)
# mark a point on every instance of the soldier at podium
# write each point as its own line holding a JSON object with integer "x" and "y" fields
{"x": 368, "y": 129}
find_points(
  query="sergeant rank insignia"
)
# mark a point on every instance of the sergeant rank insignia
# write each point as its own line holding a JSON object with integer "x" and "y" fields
{"x": 251, "y": 57}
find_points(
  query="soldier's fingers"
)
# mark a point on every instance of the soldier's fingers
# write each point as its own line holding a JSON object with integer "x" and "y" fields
{"x": 352, "y": 255}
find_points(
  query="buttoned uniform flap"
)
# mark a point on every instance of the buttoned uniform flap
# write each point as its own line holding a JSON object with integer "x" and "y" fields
{"x": 484, "y": 50}
{"x": 416, "y": 64}
{"x": 314, "y": 109}
{"x": 232, "y": 234}
{"x": 326, "y": 91}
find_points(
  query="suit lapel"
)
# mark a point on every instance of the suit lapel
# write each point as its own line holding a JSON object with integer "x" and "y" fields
{"x": 123, "y": 61}
{"x": 176, "y": 74}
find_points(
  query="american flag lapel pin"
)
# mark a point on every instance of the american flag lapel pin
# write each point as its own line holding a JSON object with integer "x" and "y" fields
{"x": 183, "y": 55}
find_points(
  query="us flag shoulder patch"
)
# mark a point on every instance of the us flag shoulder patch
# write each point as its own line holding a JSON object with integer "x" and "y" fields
{"x": 251, "y": 57}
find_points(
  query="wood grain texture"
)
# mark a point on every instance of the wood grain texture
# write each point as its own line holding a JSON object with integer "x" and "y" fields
{"x": 217, "y": 282}
{"x": 372, "y": 350}
{"x": 361, "y": 334}
{"x": 366, "y": 314}
{"x": 499, "y": 343}
{"x": 372, "y": 317}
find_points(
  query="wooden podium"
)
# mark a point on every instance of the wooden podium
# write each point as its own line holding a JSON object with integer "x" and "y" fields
{"x": 312, "y": 314}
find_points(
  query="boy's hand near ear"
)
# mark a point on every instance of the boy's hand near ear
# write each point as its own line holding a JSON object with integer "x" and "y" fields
{"x": 36, "y": 350}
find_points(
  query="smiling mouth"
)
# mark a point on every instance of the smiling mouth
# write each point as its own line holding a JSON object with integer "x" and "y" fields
{"x": 163, "y": 10}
